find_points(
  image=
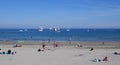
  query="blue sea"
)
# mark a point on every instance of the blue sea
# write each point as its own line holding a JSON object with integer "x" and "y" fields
{"x": 62, "y": 35}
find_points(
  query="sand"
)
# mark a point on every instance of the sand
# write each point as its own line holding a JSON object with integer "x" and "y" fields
{"x": 62, "y": 55}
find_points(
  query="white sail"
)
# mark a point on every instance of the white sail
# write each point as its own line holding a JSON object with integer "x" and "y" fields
{"x": 40, "y": 29}
{"x": 50, "y": 28}
{"x": 21, "y": 30}
{"x": 57, "y": 29}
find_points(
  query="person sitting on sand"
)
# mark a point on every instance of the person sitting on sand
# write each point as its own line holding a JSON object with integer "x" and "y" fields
{"x": 116, "y": 53}
{"x": 0, "y": 51}
{"x": 13, "y": 53}
{"x": 96, "y": 60}
{"x": 91, "y": 49}
{"x": 105, "y": 59}
{"x": 9, "y": 51}
{"x": 3, "y": 52}
{"x": 39, "y": 50}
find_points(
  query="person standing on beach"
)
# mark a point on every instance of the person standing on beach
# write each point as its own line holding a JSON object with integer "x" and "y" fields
{"x": 70, "y": 41}
{"x": 49, "y": 40}
{"x": 0, "y": 51}
{"x": 55, "y": 44}
{"x": 43, "y": 46}
{"x": 103, "y": 43}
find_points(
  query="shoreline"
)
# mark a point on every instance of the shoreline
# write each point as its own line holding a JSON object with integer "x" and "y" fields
{"x": 64, "y": 43}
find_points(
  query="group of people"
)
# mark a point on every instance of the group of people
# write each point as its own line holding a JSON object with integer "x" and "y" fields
{"x": 43, "y": 47}
{"x": 99, "y": 60}
{"x": 9, "y": 51}
{"x": 55, "y": 44}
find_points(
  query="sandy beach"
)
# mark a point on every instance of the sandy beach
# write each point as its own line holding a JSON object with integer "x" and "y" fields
{"x": 59, "y": 32}
{"x": 64, "y": 54}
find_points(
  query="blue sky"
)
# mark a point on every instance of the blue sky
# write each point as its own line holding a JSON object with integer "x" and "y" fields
{"x": 60, "y": 13}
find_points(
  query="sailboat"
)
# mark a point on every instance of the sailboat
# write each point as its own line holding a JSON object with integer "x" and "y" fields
{"x": 21, "y": 30}
{"x": 50, "y": 28}
{"x": 57, "y": 29}
{"x": 40, "y": 29}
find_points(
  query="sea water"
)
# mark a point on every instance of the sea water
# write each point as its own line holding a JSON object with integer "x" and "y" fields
{"x": 62, "y": 35}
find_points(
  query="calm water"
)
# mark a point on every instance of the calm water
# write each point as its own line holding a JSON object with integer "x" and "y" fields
{"x": 63, "y": 35}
